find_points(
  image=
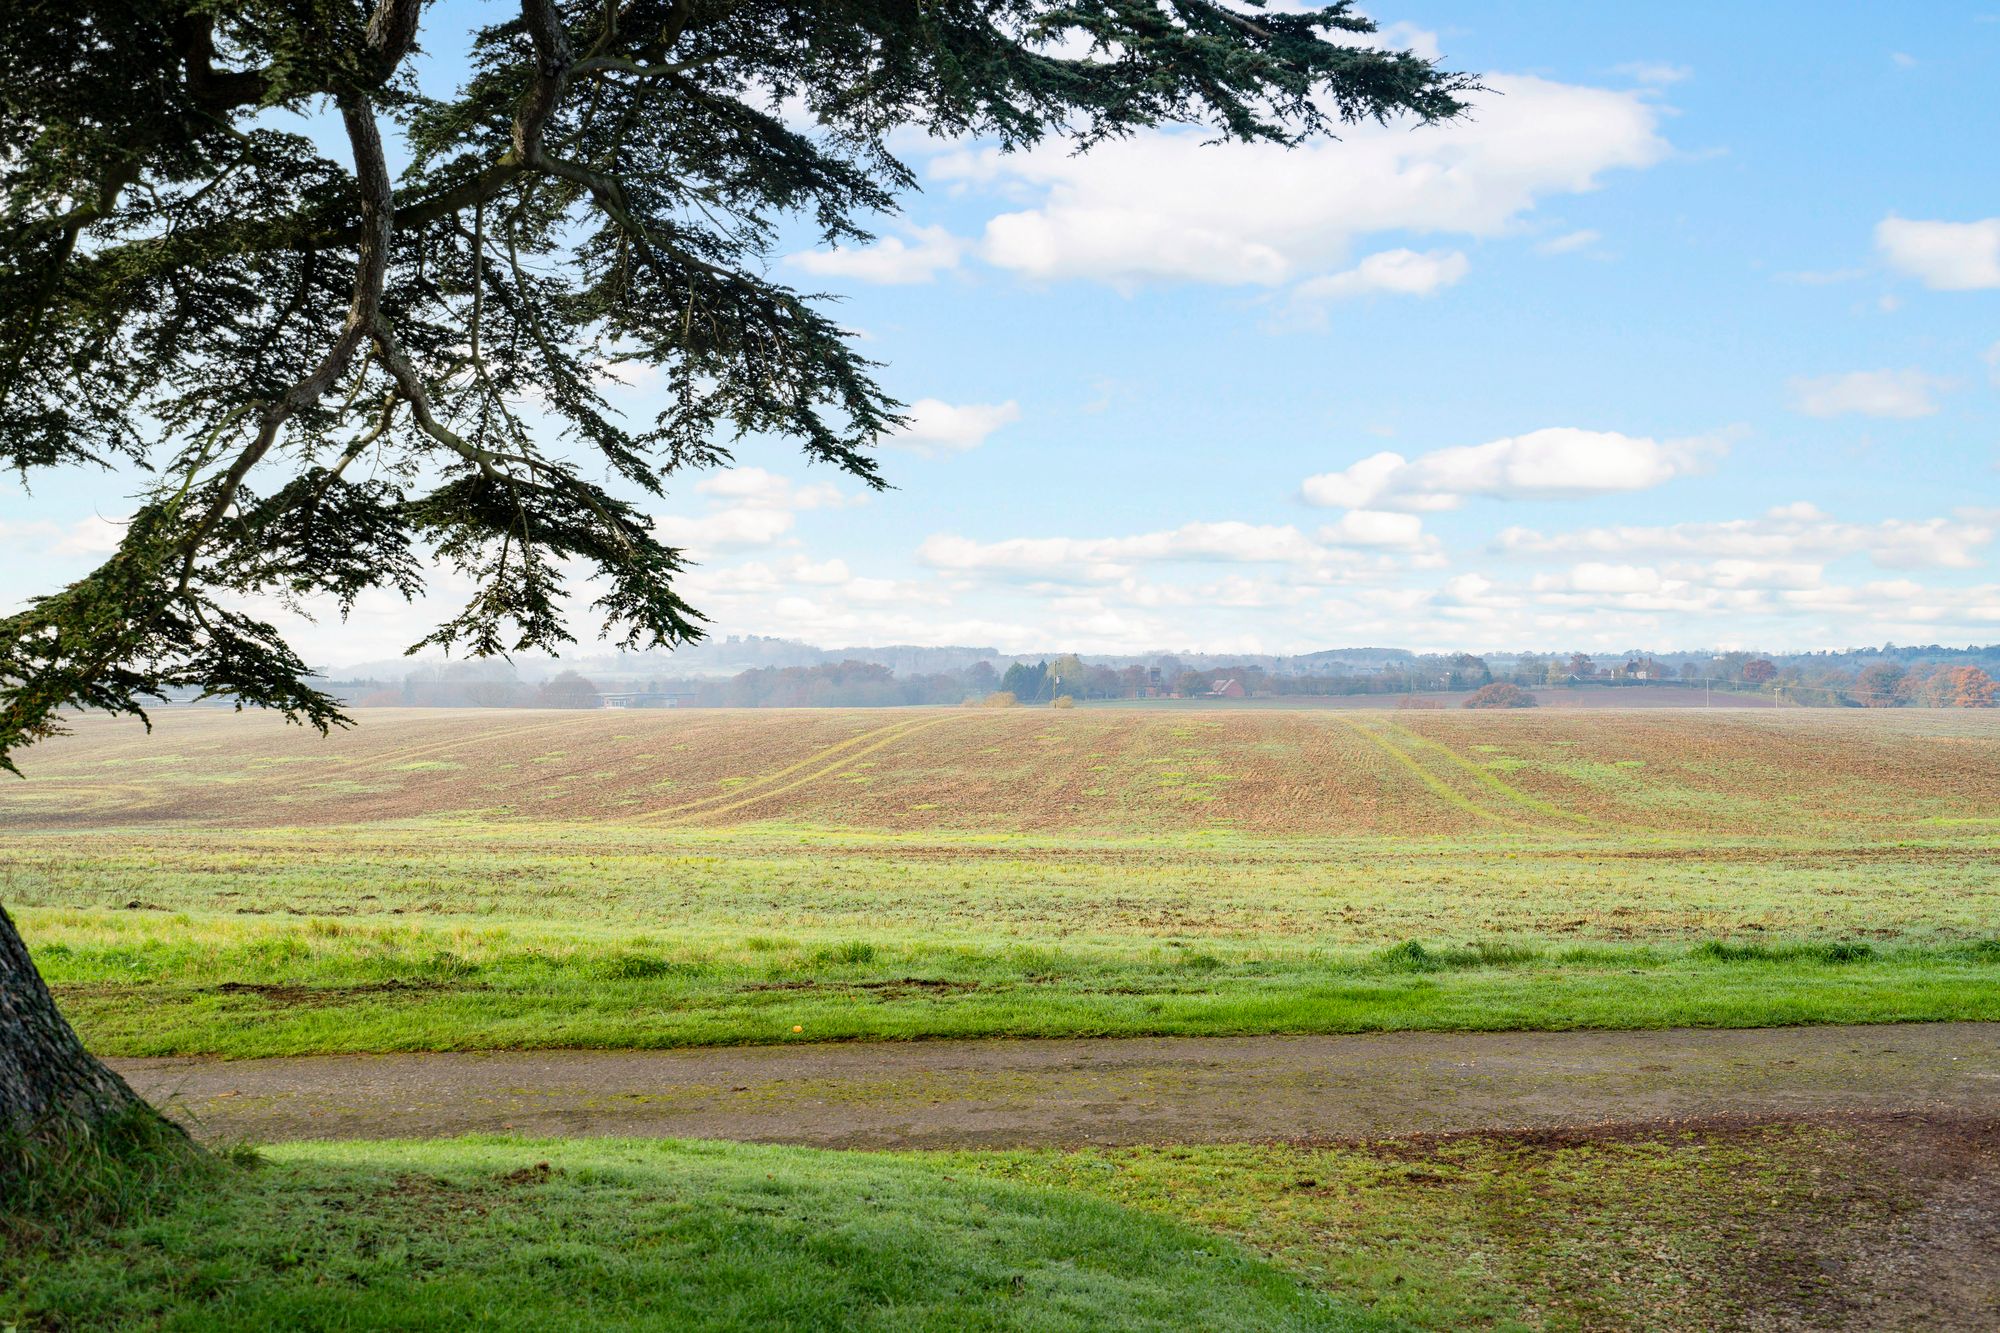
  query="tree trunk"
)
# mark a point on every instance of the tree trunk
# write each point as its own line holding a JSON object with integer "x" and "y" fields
{"x": 47, "y": 1078}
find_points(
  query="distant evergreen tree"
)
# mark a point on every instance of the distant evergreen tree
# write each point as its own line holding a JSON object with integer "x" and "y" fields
{"x": 1029, "y": 684}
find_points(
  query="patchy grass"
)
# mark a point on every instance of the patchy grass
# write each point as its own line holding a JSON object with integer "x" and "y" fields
{"x": 1662, "y": 1227}
{"x": 1830, "y": 1224}
{"x": 176, "y": 984}
{"x": 556, "y": 1235}
{"x": 973, "y": 886}
{"x": 437, "y": 936}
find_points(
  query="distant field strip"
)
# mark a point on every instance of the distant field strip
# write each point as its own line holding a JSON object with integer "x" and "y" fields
{"x": 1487, "y": 778}
{"x": 823, "y": 763}
{"x": 453, "y": 744}
{"x": 1096, "y": 773}
{"x": 1443, "y": 790}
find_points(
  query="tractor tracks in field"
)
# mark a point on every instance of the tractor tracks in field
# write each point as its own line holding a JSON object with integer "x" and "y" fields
{"x": 391, "y": 761}
{"x": 814, "y": 767}
{"x": 310, "y": 780}
{"x": 1502, "y": 802}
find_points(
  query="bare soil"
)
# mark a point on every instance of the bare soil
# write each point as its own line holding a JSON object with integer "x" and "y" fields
{"x": 1876, "y": 1220}
{"x": 1326, "y": 772}
{"x": 993, "y": 1094}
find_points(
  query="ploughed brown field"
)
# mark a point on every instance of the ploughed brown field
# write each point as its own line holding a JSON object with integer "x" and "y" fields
{"x": 1859, "y": 776}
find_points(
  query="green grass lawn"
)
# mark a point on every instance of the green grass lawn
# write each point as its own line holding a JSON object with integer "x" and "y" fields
{"x": 644, "y": 1235}
{"x": 1670, "y": 1228}
{"x": 170, "y": 987}
{"x": 435, "y": 936}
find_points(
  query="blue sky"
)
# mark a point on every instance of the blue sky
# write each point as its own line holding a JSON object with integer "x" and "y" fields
{"x": 1690, "y": 338}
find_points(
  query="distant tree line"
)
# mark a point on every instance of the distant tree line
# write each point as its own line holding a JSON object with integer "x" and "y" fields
{"x": 832, "y": 685}
{"x": 462, "y": 688}
{"x": 1871, "y": 679}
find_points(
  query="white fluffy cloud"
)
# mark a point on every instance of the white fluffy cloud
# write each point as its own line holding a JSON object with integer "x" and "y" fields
{"x": 1593, "y": 576}
{"x": 757, "y": 488}
{"x": 1556, "y": 463}
{"x": 891, "y": 260}
{"x": 724, "y": 529}
{"x": 824, "y": 573}
{"x": 1945, "y": 256}
{"x": 1569, "y": 242}
{"x": 1904, "y": 394}
{"x": 1611, "y": 604}
{"x": 1788, "y": 574}
{"x": 1784, "y": 534}
{"x": 938, "y": 427}
{"x": 92, "y": 536}
{"x": 1376, "y": 528}
{"x": 1168, "y": 205}
{"x": 830, "y": 586}
{"x": 1681, "y": 580}
{"x": 1389, "y": 273}
{"x": 749, "y": 506}
{"x": 1110, "y": 558}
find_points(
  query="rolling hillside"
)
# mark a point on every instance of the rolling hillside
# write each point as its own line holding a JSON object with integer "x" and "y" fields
{"x": 1106, "y": 772}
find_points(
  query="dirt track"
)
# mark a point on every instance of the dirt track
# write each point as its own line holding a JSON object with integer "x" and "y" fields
{"x": 1018, "y": 1093}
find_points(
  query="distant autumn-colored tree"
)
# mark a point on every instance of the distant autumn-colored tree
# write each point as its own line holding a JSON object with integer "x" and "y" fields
{"x": 1958, "y": 687}
{"x": 1759, "y": 671}
{"x": 1500, "y": 695}
{"x": 1876, "y": 686}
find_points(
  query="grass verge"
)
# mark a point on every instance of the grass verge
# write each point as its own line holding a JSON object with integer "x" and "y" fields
{"x": 182, "y": 987}
{"x": 561, "y": 1235}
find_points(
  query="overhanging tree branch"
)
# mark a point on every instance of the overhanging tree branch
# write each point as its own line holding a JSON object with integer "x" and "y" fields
{"x": 172, "y": 265}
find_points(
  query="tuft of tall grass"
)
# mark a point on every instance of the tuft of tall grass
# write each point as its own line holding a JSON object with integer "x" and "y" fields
{"x": 643, "y": 967}
{"x": 1830, "y": 952}
{"x": 1413, "y": 956}
{"x": 62, "y": 1180}
{"x": 850, "y": 953}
